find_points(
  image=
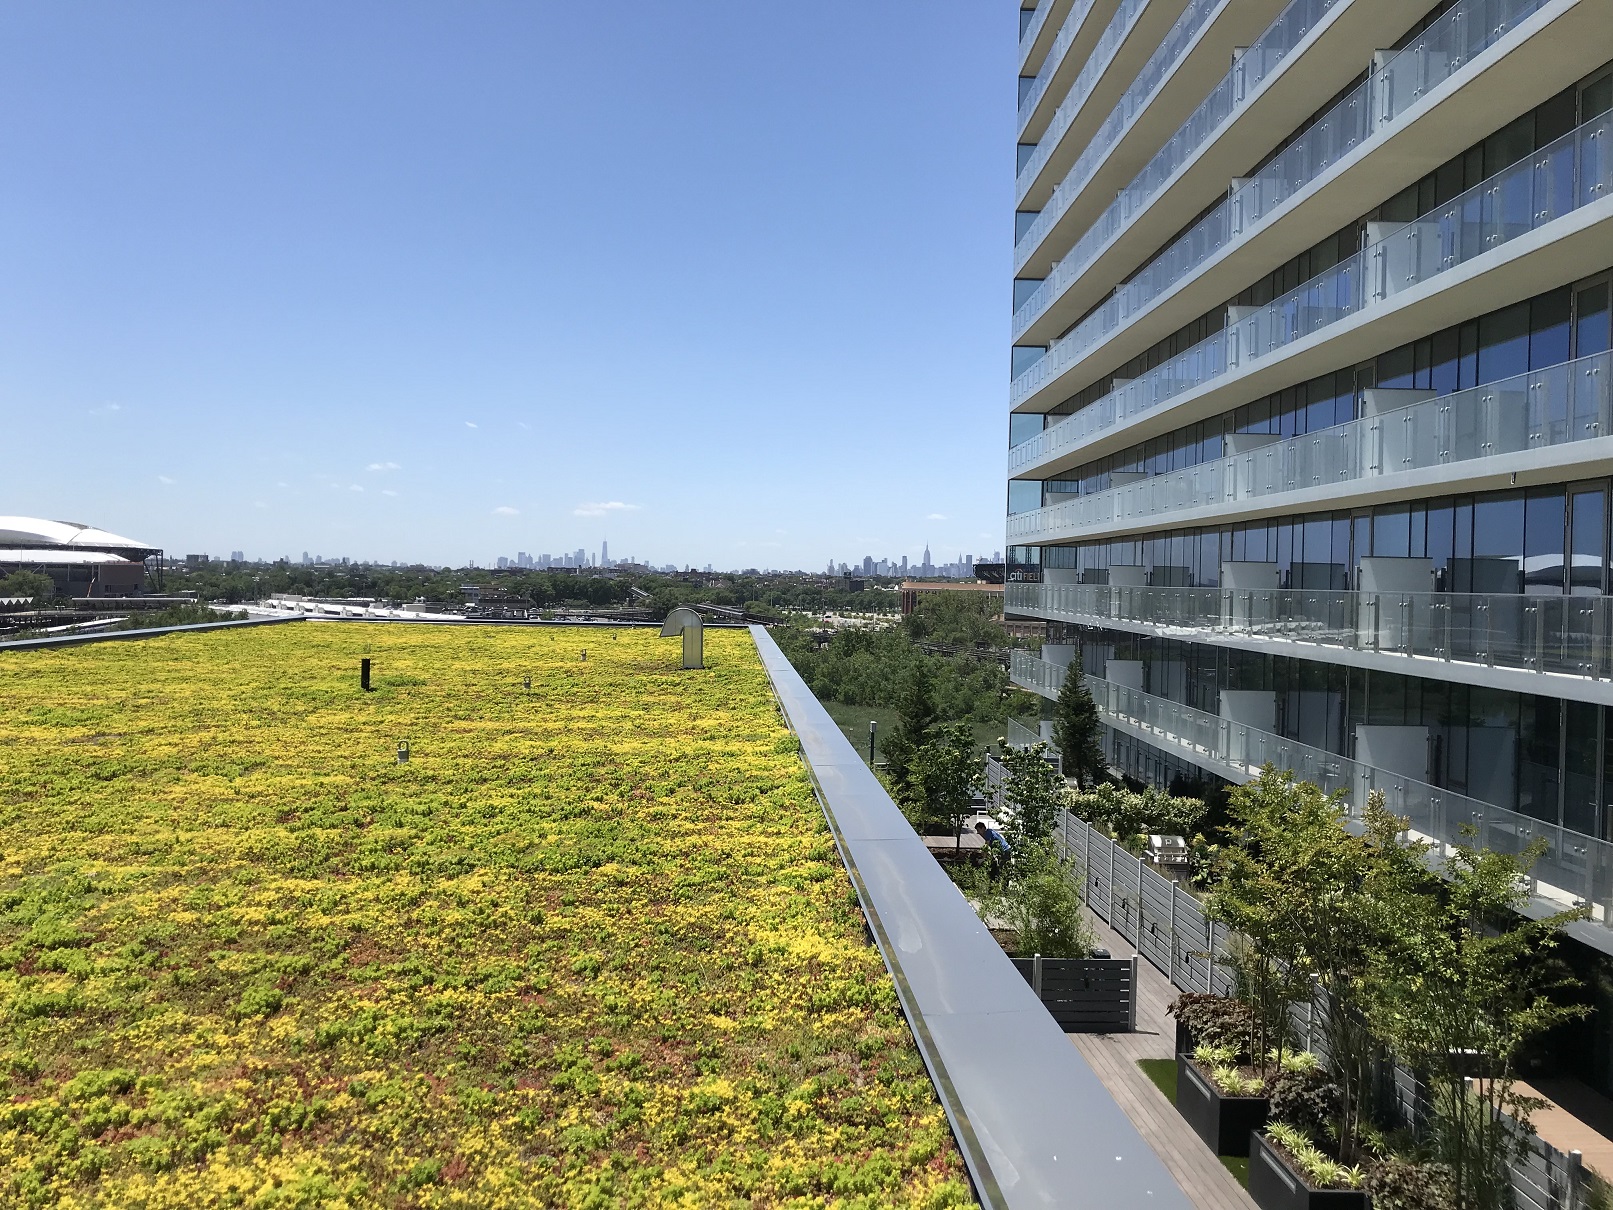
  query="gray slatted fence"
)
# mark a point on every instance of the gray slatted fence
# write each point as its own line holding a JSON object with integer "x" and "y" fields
{"x": 1085, "y": 995}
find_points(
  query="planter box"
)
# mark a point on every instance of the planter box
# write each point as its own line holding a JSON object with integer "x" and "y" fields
{"x": 1184, "y": 1039}
{"x": 1085, "y": 995}
{"x": 1275, "y": 1186}
{"x": 1224, "y": 1123}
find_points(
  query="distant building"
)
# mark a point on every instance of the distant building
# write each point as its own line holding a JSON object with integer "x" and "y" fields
{"x": 80, "y": 560}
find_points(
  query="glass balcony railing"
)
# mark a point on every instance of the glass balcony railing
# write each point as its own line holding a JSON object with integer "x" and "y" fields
{"x": 1575, "y": 869}
{"x": 1554, "y": 406}
{"x": 1098, "y": 62}
{"x": 1440, "y": 53}
{"x": 1565, "y": 175}
{"x": 1021, "y": 736}
{"x": 1132, "y": 102}
{"x": 1251, "y": 70}
{"x": 1073, "y": 22}
{"x": 1033, "y": 28}
{"x": 1566, "y": 635}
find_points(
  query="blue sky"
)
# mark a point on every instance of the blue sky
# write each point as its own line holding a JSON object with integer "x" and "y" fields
{"x": 721, "y": 282}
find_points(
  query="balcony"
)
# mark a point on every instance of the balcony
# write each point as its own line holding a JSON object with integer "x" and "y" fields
{"x": 1036, "y": 37}
{"x": 1575, "y": 869}
{"x": 1537, "y": 425}
{"x": 1552, "y": 644}
{"x": 1070, "y": 47}
{"x": 1240, "y": 119}
{"x": 1404, "y": 265}
{"x": 1264, "y": 57}
{"x": 1381, "y": 136}
{"x": 1114, "y": 71}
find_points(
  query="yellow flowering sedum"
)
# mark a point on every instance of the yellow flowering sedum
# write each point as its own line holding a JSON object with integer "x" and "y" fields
{"x": 590, "y": 946}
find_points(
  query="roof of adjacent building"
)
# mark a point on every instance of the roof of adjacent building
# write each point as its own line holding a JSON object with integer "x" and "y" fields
{"x": 56, "y": 556}
{"x": 72, "y": 535}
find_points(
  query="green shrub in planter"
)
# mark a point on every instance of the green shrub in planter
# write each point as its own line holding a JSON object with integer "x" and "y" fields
{"x": 1401, "y": 1184}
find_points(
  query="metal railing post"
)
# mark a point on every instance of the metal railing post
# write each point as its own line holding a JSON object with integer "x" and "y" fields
{"x": 1036, "y": 975}
{"x": 1131, "y": 1004}
{"x": 1110, "y": 917}
{"x": 1173, "y": 932}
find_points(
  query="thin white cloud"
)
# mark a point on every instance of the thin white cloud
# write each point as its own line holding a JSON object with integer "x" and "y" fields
{"x": 383, "y": 466}
{"x": 504, "y": 510}
{"x": 603, "y": 509}
{"x": 106, "y": 409}
{"x": 165, "y": 479}
{"x": 387, "y": 491}
{"x": 935, "y": 517}
{"x": 521, "y": 424}
{"x": 260, "y": 504}
{"x": 353, "y": 487}
{"x": 470, "y": 424}
{"x": 282, "y": 483}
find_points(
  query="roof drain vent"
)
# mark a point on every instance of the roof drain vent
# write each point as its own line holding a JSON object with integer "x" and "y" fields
{"x": 686, "y": 622}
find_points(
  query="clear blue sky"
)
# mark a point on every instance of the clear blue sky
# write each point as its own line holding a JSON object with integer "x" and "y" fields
{"x": 446, "y": 281}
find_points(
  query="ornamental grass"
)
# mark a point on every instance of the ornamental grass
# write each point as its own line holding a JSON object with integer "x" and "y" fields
{"x": 591, "y": 945}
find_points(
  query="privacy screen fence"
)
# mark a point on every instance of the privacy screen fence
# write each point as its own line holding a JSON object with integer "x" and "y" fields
{"x": 1167, "y": 926}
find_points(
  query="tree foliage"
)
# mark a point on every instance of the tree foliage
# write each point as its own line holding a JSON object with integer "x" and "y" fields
{"x": 1032, "y": 797}
{"x": 1041, "y": 903}
{"x": 1126, "y": 813}
{"x": 1078, "y": 729}
{"x": 942, "y": 776}
{"x": 35, "y": 585}
{"x": 1464, "y": 981}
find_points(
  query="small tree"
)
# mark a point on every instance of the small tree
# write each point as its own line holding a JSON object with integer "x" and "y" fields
{"x": 1462, "y": 982}
{"x": 1078, "y": 729}
{"x": 942, "y": 778}
{"x": 1041, "y": 903}
{"x": 1278, "y": 887}
{"x": 34, "y": 585}
{"x": 1032, "y": 797}
{"x": 916, "y": 714}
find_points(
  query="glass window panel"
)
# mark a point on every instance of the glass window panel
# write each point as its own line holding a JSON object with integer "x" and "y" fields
{"x": 1582, "y": 726}
{"x": 1596, "y": 98}
{"x": 1543, "y": 542}
{"x": 1440, "y": 541}
{"x": 1548, "y": 329}
{"x": 1497, "y": 544}
{"x": 1504, "y": 343}
{"x": 1509, "y": 144}
{"x": 1467, "y": 353}
{"x": 1023, "y": 427}
{"x": 1591, "y": 333}
{"x": 1587, "y": 542}
{"x": 1539, "y": 775}
{"x": 1024, "y": 495}
{"x": 1395, "y": 368}
{"x": 1556, "y": 117}
{"x": 1443, "y": 373}
{"x": 1391, "y": 532}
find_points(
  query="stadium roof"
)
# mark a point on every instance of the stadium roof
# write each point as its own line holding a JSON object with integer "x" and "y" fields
{"x": 57, "y": 556}
{"x": 69, "y": 535}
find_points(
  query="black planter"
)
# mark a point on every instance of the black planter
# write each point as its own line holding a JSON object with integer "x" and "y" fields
{"x": 1275, "y": 1186}
{"x": 1184, "y": 1039}
{"x": 1224, "y": 1123}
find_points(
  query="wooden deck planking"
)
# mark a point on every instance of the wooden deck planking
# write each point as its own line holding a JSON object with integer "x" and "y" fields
{"x": 1114, "y": 1058}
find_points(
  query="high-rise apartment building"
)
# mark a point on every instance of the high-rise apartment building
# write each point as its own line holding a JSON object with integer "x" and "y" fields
{"x": 1311, "y": 442}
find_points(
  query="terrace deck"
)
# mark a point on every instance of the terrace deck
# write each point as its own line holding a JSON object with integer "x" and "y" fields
{"x": 1114, "y": 1058}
